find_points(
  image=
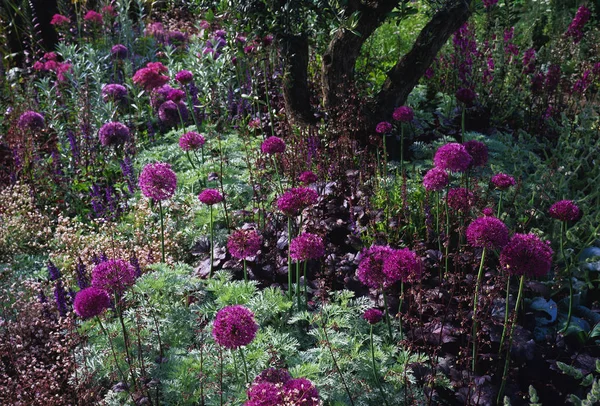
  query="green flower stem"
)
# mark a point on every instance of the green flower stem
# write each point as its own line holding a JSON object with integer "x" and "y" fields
{"x": 298, "y": 284}
{"x": 305, "y": 285}
{"x": 212, "y": 248}
{"x": 474, "y": 333}
{"x": 191, "y": 107}
{"x": 499, "y": 205}
{"x": 245, "y": 271}
{"x": 447, "y": 231}
{"x": 289, "y": 259}
{"x": 401, "y": 148}
{"x": 505, "y": 314}
{"x": 187, "y": 153}
{"x": 162, "y": 231}
{"x": 462, "y": 124}
{"x": 400, "y": 308}
{"x": 387, "y": 313}
{"x": 510, "y": 338}
{"x": 244, "y": 363}
{"x": 277, "y": 174}
{"x": 375, "y": 375}
{"x": 112, "y": 349}
{"x": 337, "y": 367}
{"x": 563, "y": 230}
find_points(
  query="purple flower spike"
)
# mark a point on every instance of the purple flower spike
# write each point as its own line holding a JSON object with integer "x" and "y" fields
{"x": 307, "y": 246}
{"x": 91, "y": 302}
{"x": 526, "y": 254}
{"x": 158, "y": 181}
{"x": 487, "y": 232}
{"x": 234, "y": 327}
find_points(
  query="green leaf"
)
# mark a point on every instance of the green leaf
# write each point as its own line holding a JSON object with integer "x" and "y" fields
{"x": 569, "y": 370}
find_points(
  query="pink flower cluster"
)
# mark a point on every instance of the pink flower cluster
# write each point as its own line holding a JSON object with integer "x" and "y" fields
{"x": 244, "y": 243}
{"x": 461, "y": 199}
{"x": 275, "y": 387}
{"x": 503, "y": 181}
{"x": 487, "y": 232}
{"x": 373, "y": 316}
{"x": 435, "y": 179}
{"x": 273, "y": 145}
{"x": 113, "y": 133}
{"x": 297, "y": 199}
{"x": 50, "y": 63}
{"x": 565, "y": 210}
{"x": 151, "y": 76}
{"x": 191, "y": 141}
{"x": 91, "y": 302}
{"x": 404, "y": 114}
{"x": 307, "y": 178}
{"x": 383, "y": 128}
{"x": 452, "y": 157}
{"x": 158, "y": 181}
{"x": 210, "y": 197}
{"x": 382, "y": 266}
{"x": 575, "y": 29}
{"x": 113, "y": 276}
{"x": 58, "y": 20}
{"x": 307, "y": 246}
{"x": 526, "y": 254}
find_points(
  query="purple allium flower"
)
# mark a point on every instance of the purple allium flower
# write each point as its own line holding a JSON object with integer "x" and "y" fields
{"x": 487, "y": 232}
{"x": 151, "y": 76}
{"x": 220, "y": 33}
{"x": 244, "y": 243}
{"x": 113, "y": 134}
{"x": 59, "y": 20}
{"x": 453, "y": 157}
{"x": 466, "y": 96}
{"x": 114, "y": 92}
{"x": 478, "y": 151}
{"x": 114, "y": 276}
{"x": 191, "y": 141}
{"x": 307, "y": 246}
{"x": 176, "y": 95}
{"x": 404, "y": 114}
{"x": 435, "y": 179}
{"x": 370, "y": 269}
{"x": 93, "y": 17}
{"x": 234, "y": 327}
{"x": 176, "y": 38}
{"x": 300, "y": 391}
{"x": 526, "y": 254}
{"x": 383, "y": 128}
{"x": 273, "y": 375}
{"x": 503, "y": 181}
{"x": 60, "y": 297}
{"x": 31, "y": 120}
{"x": 273, "y": 145}
{"x": 184, "y": 77}
{"x": 575, "y": 29}
{"x": 487, "y": 211}
{"x": 210, "y": 197}
{"x": 160, "y": 95}
{"x": 169, "y": 112}
{"x": 293, "y": 201}
{"x": 402, "y": 265}
{"x": 53, "y": 272}
{"x": 307, "y": 178}
{"x": 119, "y": 51}
{"x": 91, "y": 302}
{"x": 461, "y": 199}
{"x": 565, "y": 210}
{"x": 158, "y": 181}
{"x": 264, "y": 394}
{"x": 373, "y": 316}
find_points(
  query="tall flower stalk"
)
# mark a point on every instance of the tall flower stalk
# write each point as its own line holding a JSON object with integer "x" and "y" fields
{"x": 210, "y": 197}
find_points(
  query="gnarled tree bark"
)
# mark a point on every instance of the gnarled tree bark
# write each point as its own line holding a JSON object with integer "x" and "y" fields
{"x": 294, "y": 50}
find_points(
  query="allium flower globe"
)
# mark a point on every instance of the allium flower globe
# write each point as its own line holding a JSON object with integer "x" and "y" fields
{"x": 503, "y": 181}
{"x": 461, "y": 199}
{"x": 264, "y": 394}
{"x": 113, "y": 275}
{"x": 191, "y": 141}
{"x": 487, "y": 232}
{"x": 113, "y": 134}
{"x": 244, "y": 243}
{"x": 487, "y": 211}
{"x": 565, "y": 210}
{"x": 31, "y": 120}
{"x": 373, "y": 316}
{"x": 158, "y": 181}
{"x": 307, "y": 178}
{"x": 478, "y": 151}
{"x": 172, "y": 113}
{"x": 114, "y": 92}
{"x": 383, "y": 128}
{"x": 402, "y": 265}
{"x": 526, "y": 254}
{"x": 93, "y": 17}
{"x": 119, "y": 51}
{"x": 453, "y": 157}
{"x": 370, "y": 269}
{"x": 151, "y": 76}
{"x": 210, "y": 197}
{"x": 293, "y": 201}
{"x": 404, "y": 114}
{"x": 273, "y": 375}
{"x": 307, "y": 246}
{"x": 300, "y": 391}
{"x": 234, "y": 327}
{"x": 466, "y": 96}
{"x": 59, "y": 20}
{"x": 91, "y": 302}
{"x": 184, "y": 77}
{"x": 273, "y": 145}
{"x": 435, "y": 179}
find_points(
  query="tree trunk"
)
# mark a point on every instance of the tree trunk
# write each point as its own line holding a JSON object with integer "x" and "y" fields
{"x": 405, "y": 75}
{"x": 294, "y": 50}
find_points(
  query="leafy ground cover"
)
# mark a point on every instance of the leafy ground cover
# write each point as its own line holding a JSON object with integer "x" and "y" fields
{"x": 168, "y": 236}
